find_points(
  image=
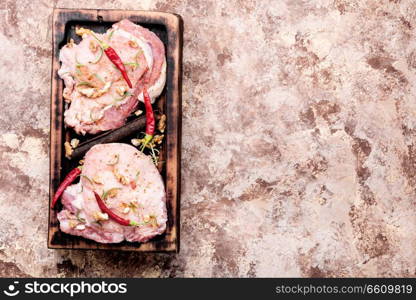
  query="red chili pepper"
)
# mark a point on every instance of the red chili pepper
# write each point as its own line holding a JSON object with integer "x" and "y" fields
{"x": 65, "y": 183}
{"x": 115, "y": 59}
{"x": 150, "y": 118}
{"x": 112, "y": 215}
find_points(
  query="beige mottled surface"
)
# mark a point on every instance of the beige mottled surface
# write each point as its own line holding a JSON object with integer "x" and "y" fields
{"x": 299, "y": 150}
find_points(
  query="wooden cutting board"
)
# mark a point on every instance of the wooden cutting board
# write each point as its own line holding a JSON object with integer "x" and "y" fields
{"x": 169, "y": 28}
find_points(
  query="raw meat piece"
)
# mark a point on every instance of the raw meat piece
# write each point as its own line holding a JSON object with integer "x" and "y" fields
{"x": 134, "y": 189}
{"x": 99, "y": 97}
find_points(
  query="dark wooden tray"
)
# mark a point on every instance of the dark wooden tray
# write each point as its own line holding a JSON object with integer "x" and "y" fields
{"x": 169, "y": 28}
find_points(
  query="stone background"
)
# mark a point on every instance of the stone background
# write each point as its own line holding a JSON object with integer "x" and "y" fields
{"x": 299, "y": 153}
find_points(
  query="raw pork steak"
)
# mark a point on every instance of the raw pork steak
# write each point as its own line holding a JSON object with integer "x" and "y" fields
{"x": 99, "y": 97}
{"x": 132, "y": 188}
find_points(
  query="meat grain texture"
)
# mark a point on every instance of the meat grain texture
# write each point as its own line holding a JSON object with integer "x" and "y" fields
{"x": 132, "y": 187}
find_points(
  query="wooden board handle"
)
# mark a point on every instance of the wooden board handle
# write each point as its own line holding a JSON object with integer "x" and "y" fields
{"x": 112, "y": 136}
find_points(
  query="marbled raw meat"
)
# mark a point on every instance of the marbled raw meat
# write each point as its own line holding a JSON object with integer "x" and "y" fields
{"x": 139, "y": 48}
{"x": 140, "y": 196}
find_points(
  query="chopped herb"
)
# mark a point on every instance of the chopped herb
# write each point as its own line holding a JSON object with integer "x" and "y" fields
{"x": 122, "y": 97}
{"x": 77, "y": 63}
{"x": 111, "y": 35}
{"x": 82, "y": 220}
{"x": 131, "y": 64}
{"x": 109, "y": 193}
{"x": 97, "y": 179}
{"x": 88, "y": 179}
{"x": 132, "y": 206}
{"x": 150, "y": 220}
{"x": 97, "y": 59}
{"x": 99, "y": 77}
{"x": 84, "y": 83}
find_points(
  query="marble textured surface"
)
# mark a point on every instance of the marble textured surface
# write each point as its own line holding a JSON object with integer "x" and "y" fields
{"x": 299, "y": 150}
